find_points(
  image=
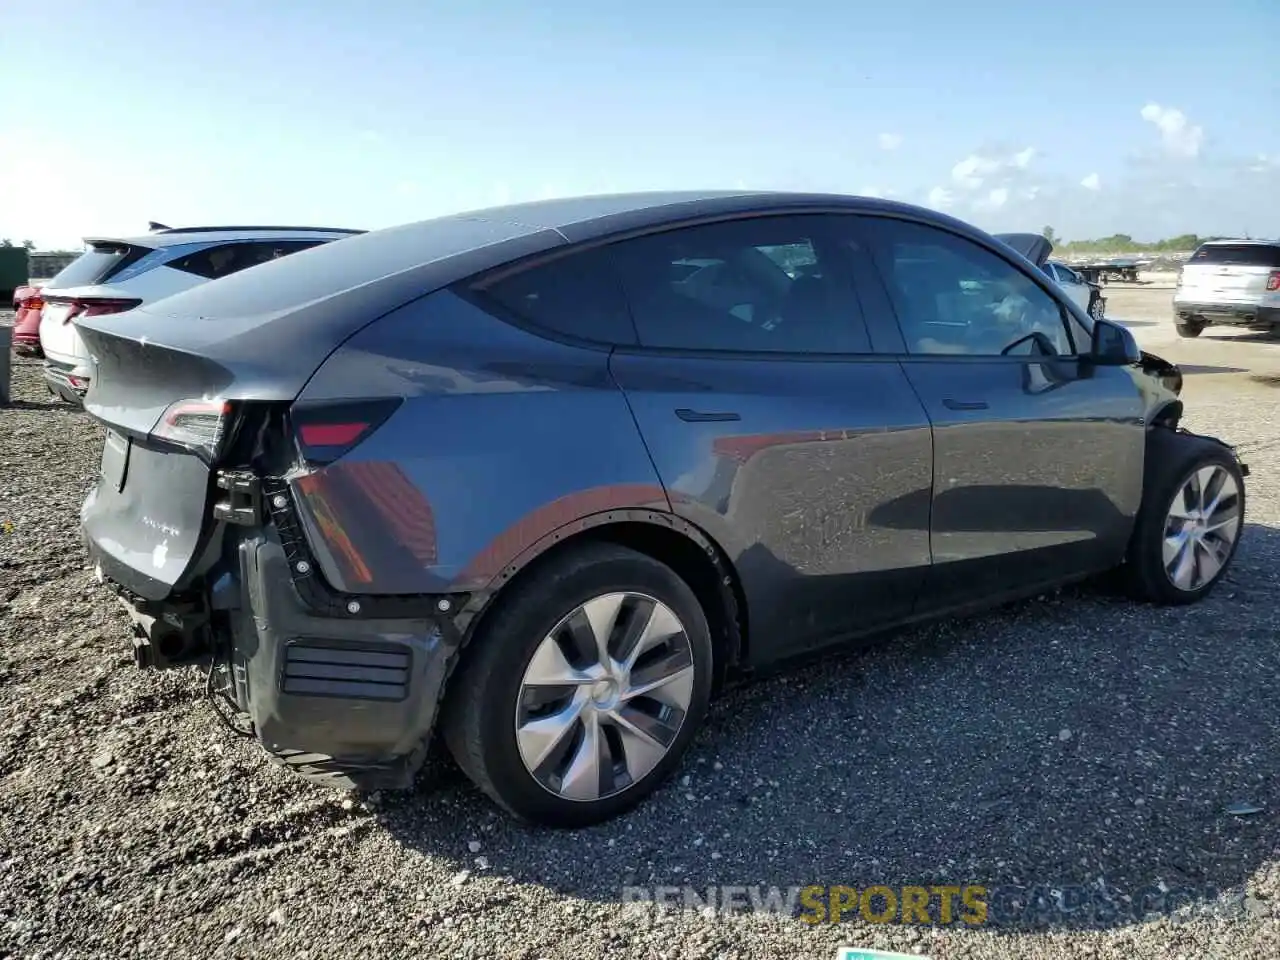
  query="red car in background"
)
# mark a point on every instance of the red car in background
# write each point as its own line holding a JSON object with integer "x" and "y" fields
{"x": 26, "y": 326}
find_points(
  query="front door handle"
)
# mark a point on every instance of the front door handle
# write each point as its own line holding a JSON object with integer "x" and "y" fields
{"x": 964, "y": 404}
{"x": 706, "y": 416}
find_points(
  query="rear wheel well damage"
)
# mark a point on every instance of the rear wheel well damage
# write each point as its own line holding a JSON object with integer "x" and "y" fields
{"x": 693, "y": 556}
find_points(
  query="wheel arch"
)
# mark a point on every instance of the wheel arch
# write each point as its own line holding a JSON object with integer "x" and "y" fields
{"x": 1168, "y": 415}
{"x": 694, "y": 556}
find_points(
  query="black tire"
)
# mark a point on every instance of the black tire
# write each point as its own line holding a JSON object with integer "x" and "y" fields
{"x": 1096, "y": 307}
{"x": 1190, "y": 328}
{"x": 1172, "y": 458}
{"x": 479, "y": 716}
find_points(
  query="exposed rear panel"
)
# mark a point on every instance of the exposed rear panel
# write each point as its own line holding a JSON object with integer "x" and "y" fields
{"x": 503, "y": 438}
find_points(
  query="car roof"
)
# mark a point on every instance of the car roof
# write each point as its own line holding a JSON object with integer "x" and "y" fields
{"x": 173, "y": 236}
{"x": 1238, "y": 243}
{"x": 588, "y": 217}
{"x": 341, "y": 286}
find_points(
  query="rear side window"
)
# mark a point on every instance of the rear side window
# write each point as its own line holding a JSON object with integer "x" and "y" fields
{"x": 767, "y": 285}
{"x": 1238, "y": 255}
{"x": 97, "y": 265}
{"x": 228, "y": 258}
{"x": 577, "y": 295}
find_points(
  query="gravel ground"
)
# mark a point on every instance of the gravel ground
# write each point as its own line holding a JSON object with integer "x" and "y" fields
{"x": 1069, "y": 741}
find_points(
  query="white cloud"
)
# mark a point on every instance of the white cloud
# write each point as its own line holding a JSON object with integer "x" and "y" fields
{"x": 940, "y": 197}
{"x": 998, "y": 197}
{"x": 890, "y": 141}
{"x": 970, "y": 171}
{"x": 871, "y": 192}
{"x": 1181, "y": 138}
{"x": 974, "y": 170}
{"x": 1264, "y": 164}
{"x": 1092, "y": 182}
{"x": 501, "y": 193}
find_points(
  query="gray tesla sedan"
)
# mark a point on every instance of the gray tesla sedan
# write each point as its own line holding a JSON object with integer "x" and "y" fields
{"x": 539, "y": 478}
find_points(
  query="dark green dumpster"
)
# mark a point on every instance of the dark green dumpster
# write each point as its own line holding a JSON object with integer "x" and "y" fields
{"x": 13, "y": 273}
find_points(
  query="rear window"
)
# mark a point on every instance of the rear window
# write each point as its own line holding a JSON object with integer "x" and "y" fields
{"x": 1239, "y": 255}
{"x": 228, "y": 258}
{"x": 97, "y": 264}
{"x": 577, "y": 295}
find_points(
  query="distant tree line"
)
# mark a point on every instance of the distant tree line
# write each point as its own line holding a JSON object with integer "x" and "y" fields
{"x": 30, "y": 246}
{"x": 1123, "y": 243}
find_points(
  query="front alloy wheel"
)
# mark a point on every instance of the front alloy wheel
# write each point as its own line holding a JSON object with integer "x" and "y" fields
{"x": 604, "y": 696}
{"x": 1201, "y": 528}
{"x": 1189, "y": 526}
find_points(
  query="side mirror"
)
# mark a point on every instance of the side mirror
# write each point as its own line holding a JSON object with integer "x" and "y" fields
{"x": 1113, "y": 345}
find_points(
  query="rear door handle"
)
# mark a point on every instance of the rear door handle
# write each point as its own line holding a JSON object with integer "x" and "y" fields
{"x": 706, "y": 416}
{"x": 964, "y": 404}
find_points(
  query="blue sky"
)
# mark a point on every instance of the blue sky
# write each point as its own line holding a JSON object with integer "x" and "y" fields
{"x": 1150, "y": 117}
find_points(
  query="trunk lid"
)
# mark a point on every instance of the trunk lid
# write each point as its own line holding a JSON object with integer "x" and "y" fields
{"x": 62, "y": 306}
{"x": 148, "y": 518}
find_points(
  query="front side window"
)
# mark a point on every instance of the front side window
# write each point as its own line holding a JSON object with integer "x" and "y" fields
{"x": 767, "y": 285}
{"x": 953, "y": 296}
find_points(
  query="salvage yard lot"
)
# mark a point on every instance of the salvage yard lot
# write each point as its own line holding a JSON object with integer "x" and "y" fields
{"x": 1055, "y": 742}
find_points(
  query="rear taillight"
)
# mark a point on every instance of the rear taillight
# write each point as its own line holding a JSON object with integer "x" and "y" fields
{"x": 196, "y": 425}
{"x": 93, "y": 306}
{"x": 1273, "y": 281}
{"x": 326, "y": 431}
{"x": 31, "y": 303}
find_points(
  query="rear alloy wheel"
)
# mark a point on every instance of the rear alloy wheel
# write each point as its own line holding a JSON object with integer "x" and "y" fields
{"x": 1190, "y": 522}
{"x": 593, "y": 717}
{"x": 582, "y": 689}
{"x": 1190, "y": 328}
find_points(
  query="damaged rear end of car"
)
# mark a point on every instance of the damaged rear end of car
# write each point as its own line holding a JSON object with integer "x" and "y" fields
{"x": 195, "y": 523}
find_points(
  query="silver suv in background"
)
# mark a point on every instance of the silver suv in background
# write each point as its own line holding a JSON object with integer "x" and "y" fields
{"x": 1235, "y": 282}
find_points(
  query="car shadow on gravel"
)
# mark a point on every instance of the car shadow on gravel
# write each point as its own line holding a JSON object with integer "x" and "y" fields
{"x": 38, "y": 405}
{"x": 1076, "y": 755}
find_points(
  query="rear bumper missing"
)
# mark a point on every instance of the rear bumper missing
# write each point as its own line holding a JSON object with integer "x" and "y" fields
{"x": 350, "y": 702}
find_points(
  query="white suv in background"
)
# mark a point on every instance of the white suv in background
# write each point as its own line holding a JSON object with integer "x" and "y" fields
{"x": 1234, "y": 282}
{"x": 118, "y": 274}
